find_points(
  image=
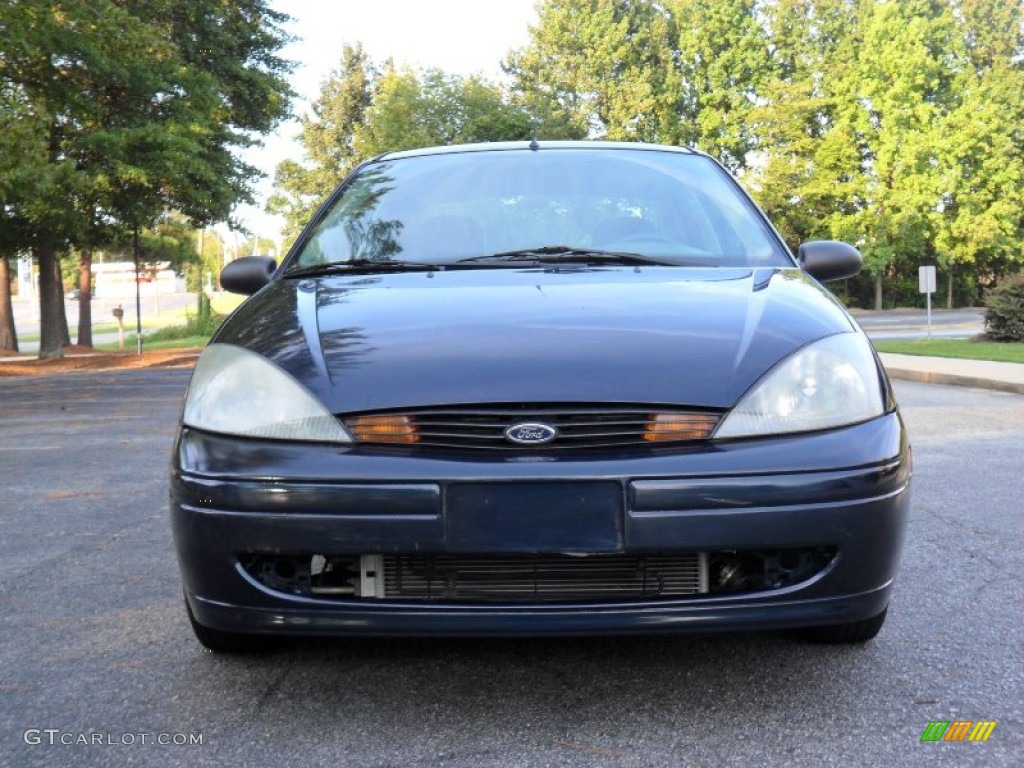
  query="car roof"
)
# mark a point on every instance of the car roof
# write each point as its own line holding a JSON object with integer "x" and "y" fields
{"x": 536, "y": 145}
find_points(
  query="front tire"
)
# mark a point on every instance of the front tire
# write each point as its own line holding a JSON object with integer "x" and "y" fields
{"x": 230, "y": 642}
{"x": 851, "y": 632}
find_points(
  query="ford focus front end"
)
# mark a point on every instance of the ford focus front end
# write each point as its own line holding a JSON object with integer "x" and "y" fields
{"x": 556, "y": 389}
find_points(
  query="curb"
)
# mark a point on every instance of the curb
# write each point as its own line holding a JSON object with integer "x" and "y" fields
{"x": 955, "y": 379}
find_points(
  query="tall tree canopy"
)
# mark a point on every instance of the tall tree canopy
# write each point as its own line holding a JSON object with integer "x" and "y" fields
{"x": 365, "y": 109}
{"x": 896, "y": 125}
{"x": 890, "y": 102}
{"x": 601, "y": 68}
{"x": 979, "y": 223}
{"x": 723, "y": 61}
{"x": 140, "y": 105}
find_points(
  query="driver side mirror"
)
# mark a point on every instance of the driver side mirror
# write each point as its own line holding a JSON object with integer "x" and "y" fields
{"x": 247, "y": 274}
{"x": 829, "y": 259}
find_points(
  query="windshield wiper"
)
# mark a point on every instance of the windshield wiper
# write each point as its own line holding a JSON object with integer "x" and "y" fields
{"x": 359, "y": 266}
{"x": 566, "y": 254}
{"x": 548, "y": 254}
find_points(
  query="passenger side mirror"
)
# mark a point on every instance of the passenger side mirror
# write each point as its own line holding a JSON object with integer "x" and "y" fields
{"x": 247, "y": 274}
{"x": 829, "y": 259}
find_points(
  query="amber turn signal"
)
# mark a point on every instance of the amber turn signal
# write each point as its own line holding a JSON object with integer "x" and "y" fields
{"x": 669, "y": 427}
{"x": 382, "y": 429}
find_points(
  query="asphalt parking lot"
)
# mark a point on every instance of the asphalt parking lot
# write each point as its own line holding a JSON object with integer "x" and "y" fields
{"x": 96, "y": 647}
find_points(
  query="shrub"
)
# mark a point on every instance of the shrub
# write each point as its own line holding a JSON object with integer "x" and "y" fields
{"x": 1004, "y": 313}
{"x": 206, "y": 321}
{"x": 203, "y": 323}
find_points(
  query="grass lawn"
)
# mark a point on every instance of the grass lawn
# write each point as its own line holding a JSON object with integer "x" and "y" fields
{"x": 225, "y": 303}
{"x": 1006, "y": 352}
{"x": 105, "y": 327}
{"x": 221, "y": 303}
{"x": 179, "y": 336}
{"x": 188, "y": 342}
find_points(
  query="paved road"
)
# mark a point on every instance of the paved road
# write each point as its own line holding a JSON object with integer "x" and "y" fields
{"x": 913, "y": 318}
{"x": 164, "y": 307}
{"x": 890, "y": 325}
{"x": 94, "y": 639}
{"x": 903, "y": 324}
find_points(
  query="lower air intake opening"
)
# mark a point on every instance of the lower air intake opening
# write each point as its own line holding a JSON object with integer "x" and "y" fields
{"x": 536, "y": 578}
{"x": 544, "y": 578}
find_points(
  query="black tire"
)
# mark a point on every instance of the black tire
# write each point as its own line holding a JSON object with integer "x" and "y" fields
{"x": 231, "y": 642}
{"x": 851, "y": 632}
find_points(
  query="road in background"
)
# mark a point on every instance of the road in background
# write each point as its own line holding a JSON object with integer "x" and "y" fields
{"x": 157, "y": 311}
{"x": 896, "y": 324}
{"x": 905, "y": 324}
{"x": 26, "y": 312}
{"x": 94, "y": 636}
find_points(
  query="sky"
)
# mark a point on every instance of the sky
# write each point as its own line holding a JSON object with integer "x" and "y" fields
{"x": 462, "y": 37}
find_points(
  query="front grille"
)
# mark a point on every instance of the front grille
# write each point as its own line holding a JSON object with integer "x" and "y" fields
{"x": 535, "y": 578}
{"x": 484, "y": 427}
{"x": 544, "y": 578}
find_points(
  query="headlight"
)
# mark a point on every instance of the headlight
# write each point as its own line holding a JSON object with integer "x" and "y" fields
{"x": 829, "y": 383}
{"x": 238, "y": 392}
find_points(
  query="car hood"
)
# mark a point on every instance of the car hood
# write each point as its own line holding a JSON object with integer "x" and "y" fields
{"x": 653, "y": 335}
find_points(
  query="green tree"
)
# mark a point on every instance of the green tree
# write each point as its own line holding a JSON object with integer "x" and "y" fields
{"x": 66, "y": 59}
{"x": 364, "y": 110}
{"x": 416, "y": 109}
{"x": 210, "y": 252}
{"x": 600, "y": 68}
{"x": 258, "y": 246}
{"x": 328, "y": 141}
{"x": 813, "y": 50}
{"x": 23, "y": 168}
{"x": 851, "y": 125}
{"x": 144, "y": 102}
{"x": 896, "y": 95}
{"x": 676, "y": 72}
{"x": 894, "y": 125}
{"x": 724, "y": 59}
{"x": 979, "y": 222}
{"x": 171, "y": 239}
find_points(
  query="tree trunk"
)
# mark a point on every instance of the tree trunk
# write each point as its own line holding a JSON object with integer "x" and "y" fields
{"x": 65, "y": 332}
{"x": 8, "y": 333}
{"x": 949, "y": 289}
{"x": 878, "y": 292}
{"x": 52, "y": 322}
{"x": 85, "y": 299}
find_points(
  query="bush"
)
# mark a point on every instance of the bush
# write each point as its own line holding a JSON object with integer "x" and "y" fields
{"x": 1004, "y": 313}
{"x": 206, "y": 320}
{"x": 203, "y": 323}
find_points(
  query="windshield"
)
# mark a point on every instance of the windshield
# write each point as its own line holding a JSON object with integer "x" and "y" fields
{"x": 449, "y": 208}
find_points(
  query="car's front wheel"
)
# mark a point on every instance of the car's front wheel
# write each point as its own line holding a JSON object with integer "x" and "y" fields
{"x": 851, "y": 632}
{"x": 230, "y": 642}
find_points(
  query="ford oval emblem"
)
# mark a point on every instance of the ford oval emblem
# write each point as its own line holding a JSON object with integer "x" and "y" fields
{"x": 530, "y": 434}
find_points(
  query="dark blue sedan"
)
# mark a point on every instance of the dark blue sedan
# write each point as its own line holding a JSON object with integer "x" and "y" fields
{"x": 539, "y": 389}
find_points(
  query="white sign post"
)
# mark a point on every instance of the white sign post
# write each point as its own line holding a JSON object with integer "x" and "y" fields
{"x": 926, "y": 285}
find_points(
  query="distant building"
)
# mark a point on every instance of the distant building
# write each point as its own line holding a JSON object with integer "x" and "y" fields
{"x": 116, "y": 279}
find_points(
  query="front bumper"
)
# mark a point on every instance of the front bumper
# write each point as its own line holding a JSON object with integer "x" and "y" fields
{"x": 847, "y": 489}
